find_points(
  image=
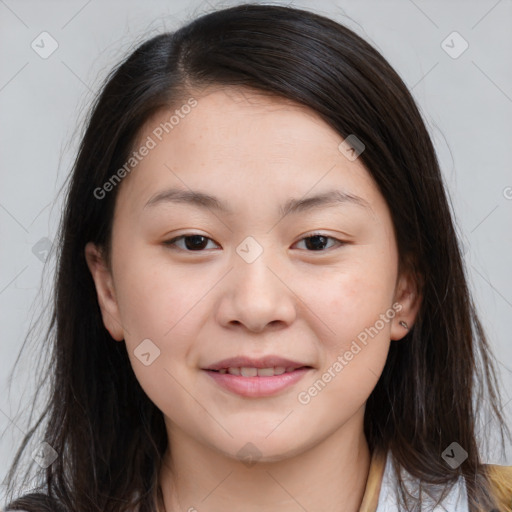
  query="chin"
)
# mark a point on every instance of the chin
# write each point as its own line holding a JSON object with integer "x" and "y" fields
{"x": 251, "y": 449}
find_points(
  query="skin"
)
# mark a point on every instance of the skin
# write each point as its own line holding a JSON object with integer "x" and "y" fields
{"x": 254, "y": 152}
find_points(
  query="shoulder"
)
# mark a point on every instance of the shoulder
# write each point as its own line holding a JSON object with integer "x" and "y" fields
{"x": 35, "y": 502}
{"x": 501, "y": 481}
{"x": 456, "y": 499}
{"x": 500, "y": 478}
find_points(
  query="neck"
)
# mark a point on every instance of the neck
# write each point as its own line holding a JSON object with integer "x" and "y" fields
{"x": 330, "y": 476}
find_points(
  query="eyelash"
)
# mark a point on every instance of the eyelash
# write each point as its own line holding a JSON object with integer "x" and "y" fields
{"x": 171, "y": 243}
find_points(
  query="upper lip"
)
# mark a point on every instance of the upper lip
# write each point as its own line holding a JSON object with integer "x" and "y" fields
{"x": 270, "y": 361}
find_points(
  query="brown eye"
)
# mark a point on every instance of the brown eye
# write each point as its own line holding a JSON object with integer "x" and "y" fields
{"x": 192, "y": 242}
{"x": 317, "y": 241}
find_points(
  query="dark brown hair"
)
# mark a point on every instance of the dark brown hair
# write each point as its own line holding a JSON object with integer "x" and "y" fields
{"x": 109, "y": 436}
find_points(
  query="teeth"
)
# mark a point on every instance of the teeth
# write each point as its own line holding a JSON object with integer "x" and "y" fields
{"x": 266, "y": 372}
{"x": 246, "y": 371}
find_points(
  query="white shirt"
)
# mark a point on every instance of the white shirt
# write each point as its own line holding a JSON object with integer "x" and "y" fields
{"x": 455, "y": 501}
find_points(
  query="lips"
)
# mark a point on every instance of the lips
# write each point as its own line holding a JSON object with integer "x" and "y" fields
{"x": 257, "y": 378}
{"x": 259, "y": 386}
{"x": 263, "y": 363}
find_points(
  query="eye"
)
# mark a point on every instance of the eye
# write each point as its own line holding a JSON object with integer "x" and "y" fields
{"x": 193, "y": 242}
{"x": 197, "y": 243}
{"x": 317, "y": 241}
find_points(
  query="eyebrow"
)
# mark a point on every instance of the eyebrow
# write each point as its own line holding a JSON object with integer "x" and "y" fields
{"x": 202, "y": 200}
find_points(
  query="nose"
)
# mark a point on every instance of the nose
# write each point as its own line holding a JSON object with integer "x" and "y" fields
{"x": 256, "y": 296}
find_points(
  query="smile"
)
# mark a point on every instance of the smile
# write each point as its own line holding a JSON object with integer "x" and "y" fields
{"x": 257, "y": 382}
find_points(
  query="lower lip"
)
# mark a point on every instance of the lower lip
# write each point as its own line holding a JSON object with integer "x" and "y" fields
{"x": 257, "y": 386}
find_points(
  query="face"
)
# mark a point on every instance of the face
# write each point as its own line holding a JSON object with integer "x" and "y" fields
{"x": 262, "y": 271}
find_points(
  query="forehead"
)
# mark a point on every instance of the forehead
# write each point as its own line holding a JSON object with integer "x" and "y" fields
{"x": 238, "y": 140}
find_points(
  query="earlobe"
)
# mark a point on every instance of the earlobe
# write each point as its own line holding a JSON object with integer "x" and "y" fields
{"x": 105, "y": 291}
{"x": 408, "y": 296}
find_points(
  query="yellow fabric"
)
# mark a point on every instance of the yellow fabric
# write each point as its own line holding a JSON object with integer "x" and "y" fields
{"x": 373, "y": 483}
{"x": 500, "y": 476}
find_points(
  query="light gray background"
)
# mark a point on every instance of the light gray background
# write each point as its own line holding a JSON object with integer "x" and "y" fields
{"x": 466, "y": 102}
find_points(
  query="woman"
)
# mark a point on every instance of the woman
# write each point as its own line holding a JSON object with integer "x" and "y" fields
{"x": 260, "y": 300}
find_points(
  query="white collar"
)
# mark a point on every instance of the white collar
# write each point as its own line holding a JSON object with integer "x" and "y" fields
{"x": 455, "y": 501}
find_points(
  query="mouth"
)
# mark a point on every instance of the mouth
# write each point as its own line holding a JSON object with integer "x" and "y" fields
{"x": 248, "y": 371}
{"x": 256, "y": 378}
{"x": 246, "y": 365}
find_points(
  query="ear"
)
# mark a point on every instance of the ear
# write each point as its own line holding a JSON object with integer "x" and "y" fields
{"x": 408, "y": 296}
{"x": 105, "y": 291}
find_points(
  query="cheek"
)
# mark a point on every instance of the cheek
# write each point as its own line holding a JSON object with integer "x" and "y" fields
{"x": 347, "y": 300}
{"x": 353, "y": 339}
{"x": 154, "y": 295}
{"x": 156, "y": 309}
{"x": 353, "y": 304}
{"x": 156, "y": 303}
